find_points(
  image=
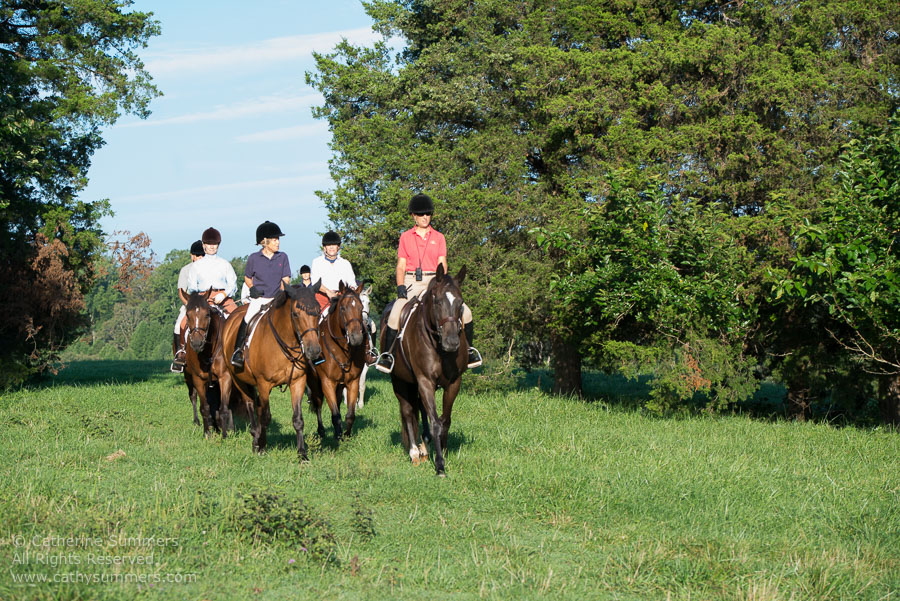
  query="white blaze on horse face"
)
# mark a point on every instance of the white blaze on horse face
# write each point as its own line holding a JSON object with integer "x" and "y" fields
{"x": 450, "y": 297}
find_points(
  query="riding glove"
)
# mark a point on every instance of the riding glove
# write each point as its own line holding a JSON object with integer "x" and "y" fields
{"x": 401, "y": 291}
{"x": 255, "y": 292}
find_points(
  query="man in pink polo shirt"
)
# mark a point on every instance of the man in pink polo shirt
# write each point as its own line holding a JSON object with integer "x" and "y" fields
{"x": 422, "y": 248}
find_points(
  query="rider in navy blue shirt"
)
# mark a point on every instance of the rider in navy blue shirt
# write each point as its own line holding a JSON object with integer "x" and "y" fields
{"x": 268, "y": 270}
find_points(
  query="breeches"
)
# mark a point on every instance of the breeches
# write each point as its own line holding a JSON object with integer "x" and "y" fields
{"x": 415, "y": 288}
{"x": 253, "y": 307}
{"x": 178, "y": 322}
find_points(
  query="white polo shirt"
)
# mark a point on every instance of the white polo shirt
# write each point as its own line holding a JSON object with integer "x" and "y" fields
{"x": 212, "y": 272}
{"x": 332, "y": 272}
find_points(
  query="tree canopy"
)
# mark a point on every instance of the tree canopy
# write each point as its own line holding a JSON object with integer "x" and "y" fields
{"x": 521, "y": 118}
{"x": 67, "y": 69}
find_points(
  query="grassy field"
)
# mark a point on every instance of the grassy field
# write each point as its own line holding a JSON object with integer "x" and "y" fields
{"x": 110, "y": 492}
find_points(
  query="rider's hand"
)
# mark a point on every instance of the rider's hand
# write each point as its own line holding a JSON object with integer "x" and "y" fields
{"x": 254, "y": 292}
{"x": 219, "y": 298}
{"x": 401, "y": 291}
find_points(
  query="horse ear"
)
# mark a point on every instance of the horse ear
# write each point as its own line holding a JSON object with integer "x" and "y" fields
{"x": 367, "y": 290}
{"x": 439, "y": 274}
{"x": 291, "y": 292}
{"x": 315, "y": 287}
{"x": 461, "y": 276}
{"x": 359, "y": 288}
{"x": 208, "y": 293}
{"x": 342, "y": 287}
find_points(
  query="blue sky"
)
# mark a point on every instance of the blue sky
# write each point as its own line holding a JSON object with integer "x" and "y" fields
{"x": 232, "y": 142}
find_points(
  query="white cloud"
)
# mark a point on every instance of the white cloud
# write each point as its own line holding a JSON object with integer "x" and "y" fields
{"x": 198, "y": 191}
{"x": 286, "y": 133}
{"x": 245, "y": 56}
{"x": 257, "y": 106}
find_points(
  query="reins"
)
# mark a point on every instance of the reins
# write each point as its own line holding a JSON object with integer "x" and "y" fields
{"x": 294, "y": 354}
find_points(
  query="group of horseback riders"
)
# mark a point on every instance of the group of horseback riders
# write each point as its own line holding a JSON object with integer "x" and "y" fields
{"x": 421, "y": 250}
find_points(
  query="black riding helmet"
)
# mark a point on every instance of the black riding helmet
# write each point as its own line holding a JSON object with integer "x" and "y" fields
{"x": 267, "y": 229}
{"x": 197, "y": 249}
{"x": 421, "y": 203}
{"x": 331, "y": 238}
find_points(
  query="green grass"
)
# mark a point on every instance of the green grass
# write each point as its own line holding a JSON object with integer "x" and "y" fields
{"x": 545, "y": 498}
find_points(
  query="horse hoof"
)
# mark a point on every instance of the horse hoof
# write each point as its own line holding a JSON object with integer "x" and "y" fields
{"x": 441, "y": 475}
{"x": 417, "y": 461}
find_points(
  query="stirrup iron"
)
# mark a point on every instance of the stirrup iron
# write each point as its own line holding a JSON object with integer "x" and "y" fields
{"x": 385, "y": 358}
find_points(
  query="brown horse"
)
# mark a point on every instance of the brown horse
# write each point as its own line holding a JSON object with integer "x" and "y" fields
{"x": 342, "y": 336}
{"x": 204, "y": 330}
{"x": 431, "y": 351}
{"x": 281, "y": 351}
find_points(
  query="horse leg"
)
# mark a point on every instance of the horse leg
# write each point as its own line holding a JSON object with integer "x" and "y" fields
{"x": 297, "y": 388}
{"x": 361, "y": 398}
{"x": 352, "y": 389}
{"x": 200, "y": 387}
{"x": 408, "y": 421}
{"x": 426, "y": 392}
{"x": 262, "y": 418}
{"x": 450, "y": 393}
{"x": 192, "y": 395}
{"x": 214, "y": 400}
{"x": 426, "y": 430}
{"x": 226, "y": 420}
{"x": 315, "y": 399}
{"x": 330, "y": 389}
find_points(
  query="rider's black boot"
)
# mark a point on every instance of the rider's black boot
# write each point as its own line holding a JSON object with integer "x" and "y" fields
{"x": 385, "y": 362}
{"x": 474, "y": 355}
{"x": 237, "y": 358}
{"x": 178, "y": 350}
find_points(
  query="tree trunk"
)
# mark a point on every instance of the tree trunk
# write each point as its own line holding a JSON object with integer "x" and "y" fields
{"x": 566, "y": 361}
{"x": 889, "y": 399}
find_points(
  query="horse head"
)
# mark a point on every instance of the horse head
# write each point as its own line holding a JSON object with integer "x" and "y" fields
{"x": 305, "y": 313}
{"x": 446, "y": 304}
{"x": 350, "y": 313}
{"x": 198, "y": 319}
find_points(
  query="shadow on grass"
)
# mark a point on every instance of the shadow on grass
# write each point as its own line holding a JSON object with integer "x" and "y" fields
{"x": 283, "y": 435}
{"x": 97, "y": 371}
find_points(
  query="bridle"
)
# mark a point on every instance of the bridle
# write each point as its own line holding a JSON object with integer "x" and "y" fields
{"x": 345, "y": 326}
{"x": 437, "y": 332}
{"x": 205, "y": 329}
{"x": 294, "y": 354}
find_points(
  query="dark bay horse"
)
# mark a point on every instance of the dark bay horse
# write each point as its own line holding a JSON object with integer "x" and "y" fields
{"x": 205, "y": 324}
{"x": 342, "y": 337}
{"x": 431, "y": 352}
{"x": 281, "y": 350}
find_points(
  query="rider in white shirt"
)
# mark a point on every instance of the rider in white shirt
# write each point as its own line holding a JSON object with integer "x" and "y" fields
{"x": 177, "y": 342}
{"x": 214, "y": 272}
{"x": 332, "y": 269}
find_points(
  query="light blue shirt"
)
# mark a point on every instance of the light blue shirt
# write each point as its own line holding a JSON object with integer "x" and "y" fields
{"x": 213, "y": 272}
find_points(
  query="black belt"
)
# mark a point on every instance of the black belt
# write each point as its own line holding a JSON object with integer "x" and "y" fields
{"x": 413, "y": 273}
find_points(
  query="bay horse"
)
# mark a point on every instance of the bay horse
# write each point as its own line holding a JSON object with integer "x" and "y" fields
{"x": 342, "y": 337}
{"x": 205, "y": 324}
{"x": 282, "y": 348}
{"x": 431, "y": 351}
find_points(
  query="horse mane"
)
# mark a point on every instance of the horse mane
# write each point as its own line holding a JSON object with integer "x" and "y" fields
{"x": 196, "y": 299}
{"x": 306, "y": 298}
{"x": 278, "y": 299}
